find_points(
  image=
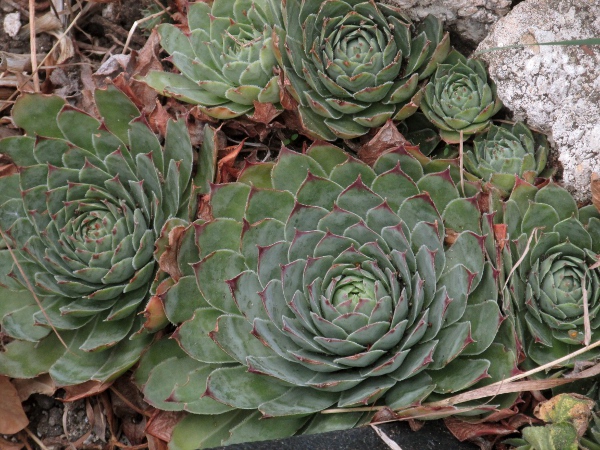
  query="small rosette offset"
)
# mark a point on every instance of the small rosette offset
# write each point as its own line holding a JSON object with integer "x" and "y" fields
{"x": 459, "y": 97}
{"x": 507, "y": 151}
{"x": 226, "y": 61}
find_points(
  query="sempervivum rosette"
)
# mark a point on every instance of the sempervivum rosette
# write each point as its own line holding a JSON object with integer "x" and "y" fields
{"x": 505, "y": 152}
{"x": 320, "y": 282}
{"x": 557, "y": 278}
{"x": 227, "y": 59}
{"x": 459, "y": 98}
{"x": 354, "y": 64}
{"x": 81, "y": 218}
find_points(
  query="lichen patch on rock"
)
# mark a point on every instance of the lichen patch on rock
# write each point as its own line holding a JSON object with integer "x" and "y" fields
{"x": 555, "y": 88}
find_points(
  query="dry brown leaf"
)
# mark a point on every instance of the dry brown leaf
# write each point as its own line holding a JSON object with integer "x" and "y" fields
{"x": 500, "y": 234}
{"x": 161, "y": 424}
{"x": 595, "y": 188}
{"x": 7, "y": 169}
{"x": 387, "y": 138}
{"x": 285, "y": 98}
{"x": 83, "y": 390}
{"x": 8, "y": 445}
{"x": 42, "y": 384}
{"x": 168, "y": 259}
{"x": 154, "y": 313}
{"x": 158, "y": 119}
{"x": 226, "y": 170}
{"x": 155, "y": 443}
{"x": 467, "y": 431}
{"x": 264, "y": 112}
{"x": 12, "y": 416}
{"x": 384, "y": 415}
{"x": 129, "y": 406}
{"x": 204, "y": 208}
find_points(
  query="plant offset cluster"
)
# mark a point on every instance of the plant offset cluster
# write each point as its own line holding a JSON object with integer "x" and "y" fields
{"x": 459, "y": 98}
{"x": 506, "y": 152}
{"x": 227, "y": 61}
{"x": 557, "y": 282}
{"x": 315, "y": 281}
{"x": 81, "y": 218}
{"x": 322, "y": 282}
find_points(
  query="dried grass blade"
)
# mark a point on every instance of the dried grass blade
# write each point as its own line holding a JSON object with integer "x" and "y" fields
{"x": 520, "y": 260}
{"x": 33, "y": 46}
{"x": 586, "y": 314}
{"x": 460, "y": 155}
{"x": 385, "y": 438}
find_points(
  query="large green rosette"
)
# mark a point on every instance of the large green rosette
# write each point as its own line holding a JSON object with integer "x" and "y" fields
{"x": 81, "y": 218}
{"x": 323, "y": 283}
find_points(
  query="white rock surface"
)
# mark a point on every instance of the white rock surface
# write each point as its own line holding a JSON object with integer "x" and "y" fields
{"x": 471, "y": 19}
{"x": 554, "y": 88}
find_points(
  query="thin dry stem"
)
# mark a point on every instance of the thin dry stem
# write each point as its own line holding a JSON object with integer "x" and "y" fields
{"x": 33, "y": 46}
{"x": 56, "y": 44}
{"x": 506, "y": 386}
{"x": 35, "y": 439}
{"x": 30, "y": 287}
{"x": 520, "y": 260}
{"x": 135, "y": 25}
{"x": 385, "y": 438}
{"x": 460, "y": 156}
{"x": 129, "y": 404}
{"x": 586, "y": 314}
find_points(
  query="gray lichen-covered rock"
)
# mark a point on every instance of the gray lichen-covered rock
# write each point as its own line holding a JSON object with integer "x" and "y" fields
{"x": 471, "y": 19}
{"x": 554, "y": 88}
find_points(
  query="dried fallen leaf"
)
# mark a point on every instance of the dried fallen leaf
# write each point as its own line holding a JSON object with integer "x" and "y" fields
{"x": 384, "y": 415}
{"x": 204, "y": 208}
{"x": 161, "y": 424}
{"x": 168, "y": 259}
{"x": 129, "y": 406}
{"x": 387, "y": 138}
{"x": 12, "y": 416}
{"x": 42, "y": 384}
{"x": 83, "y": 390}
{"x": 464, "y": 431}
{"x": 287, "y": 101}
{"x": 9, "y": 445}
{"x": 264, "y": 112}
{"x": 226, "y": 170}
{"x": 595, "y": 188}
{"x": 500, "y": 234}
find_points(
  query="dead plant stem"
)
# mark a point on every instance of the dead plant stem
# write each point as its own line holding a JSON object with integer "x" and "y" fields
{"x": 33, "y": 46}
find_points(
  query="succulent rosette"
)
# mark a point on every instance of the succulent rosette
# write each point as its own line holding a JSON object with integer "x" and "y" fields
{"x": 459, "y": 97}
{"x": 226, "y": 60}
{"x": 80, "y": 220}
{"x": 505, "y": 152}
{"x": 353, "y": 64}
{"x": 553, "y": 249}
{"x": 322, "y": 282}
